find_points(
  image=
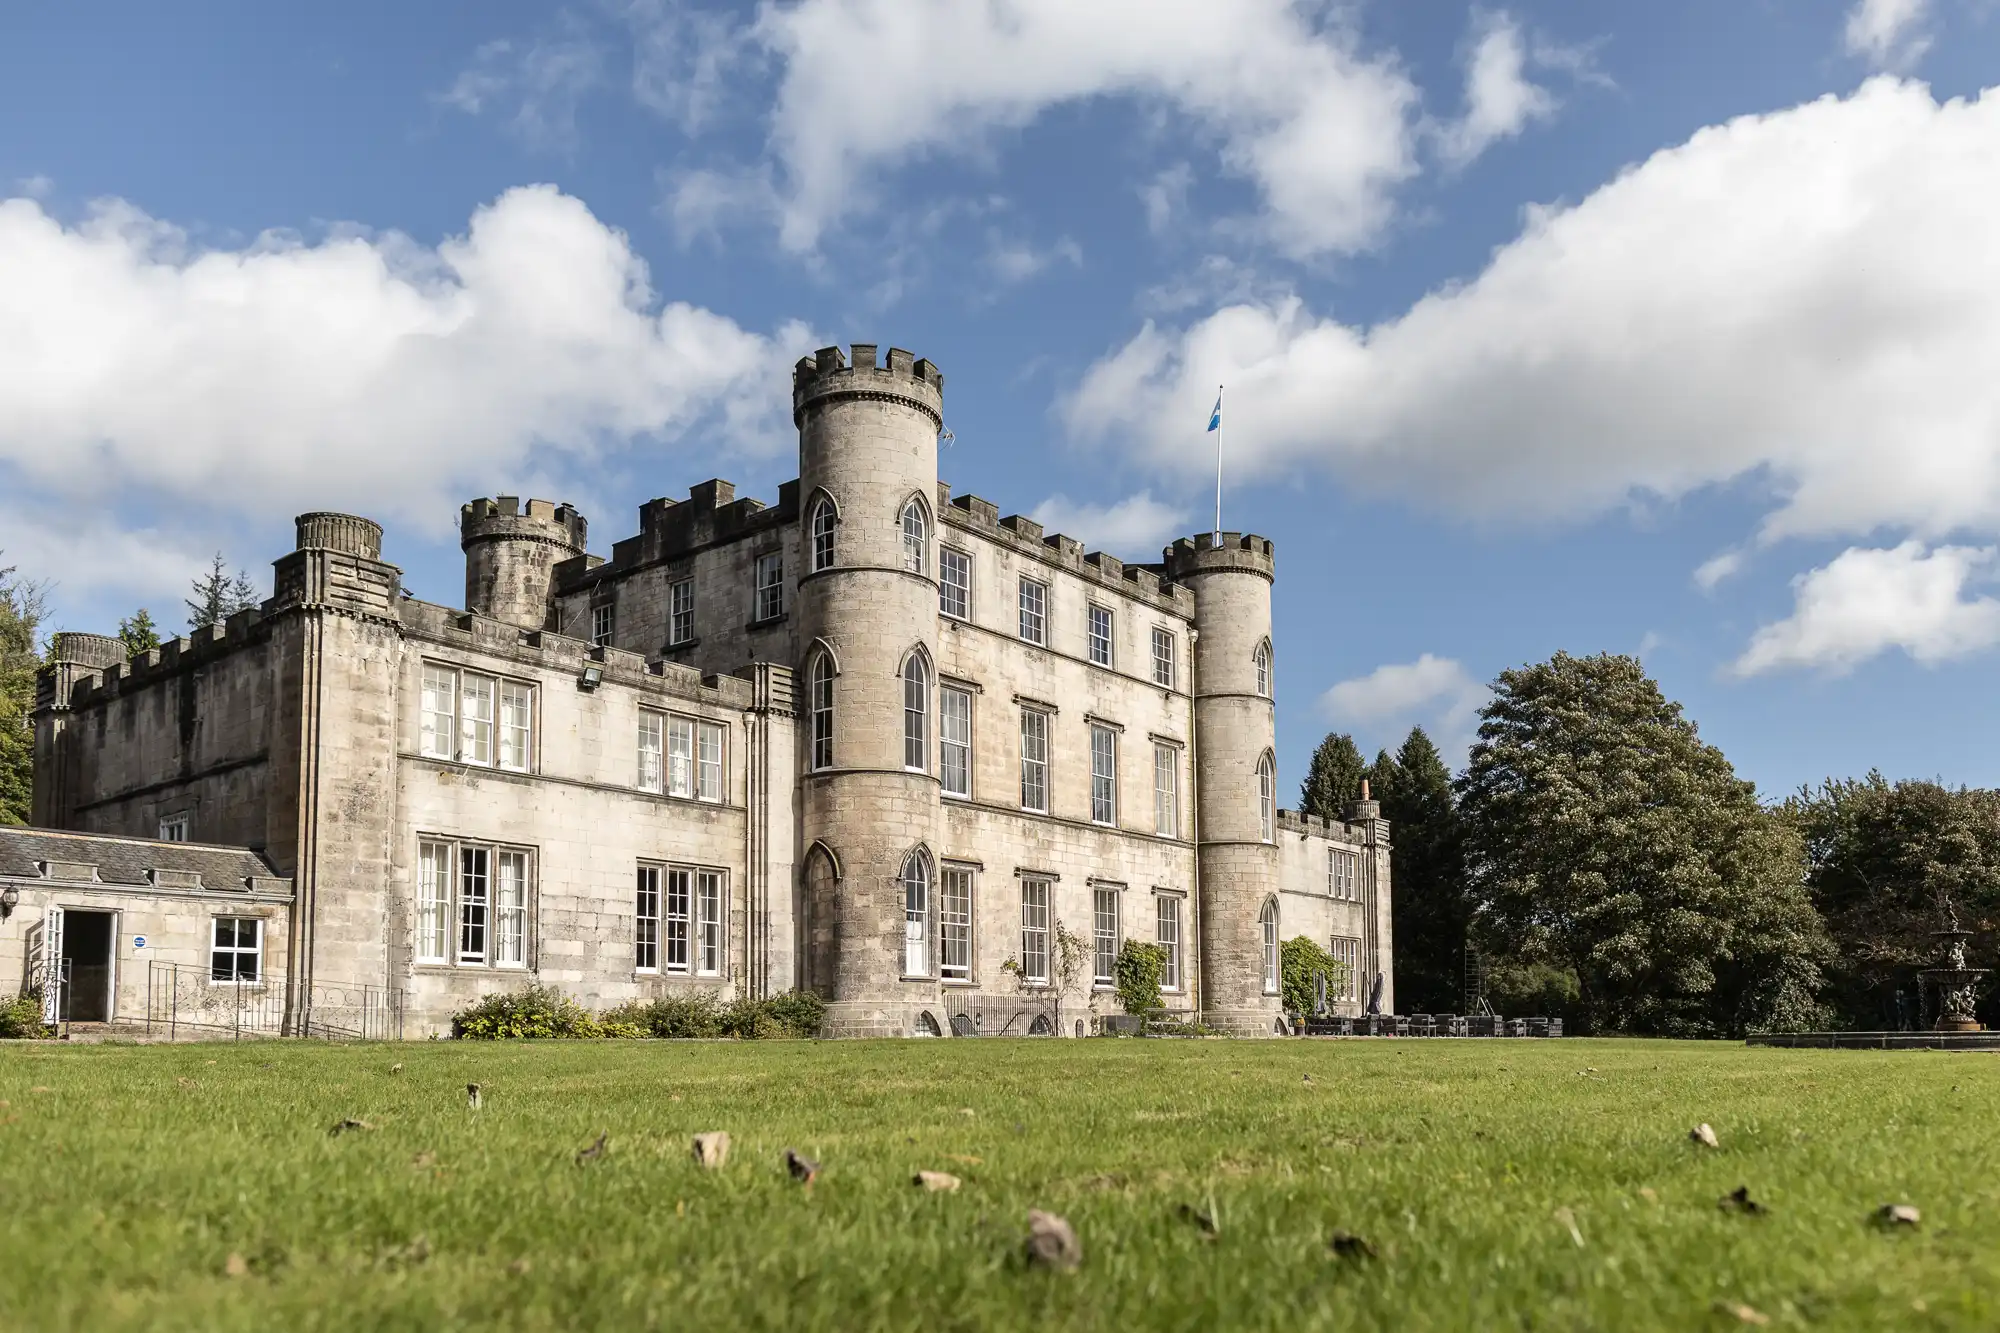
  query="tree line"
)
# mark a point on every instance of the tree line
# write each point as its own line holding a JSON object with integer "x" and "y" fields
{"x": 215, "y": 596}
{"x": 1608, "y": 866}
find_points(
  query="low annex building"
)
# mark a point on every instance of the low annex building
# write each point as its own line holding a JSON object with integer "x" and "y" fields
{"x": 874, "y": 740}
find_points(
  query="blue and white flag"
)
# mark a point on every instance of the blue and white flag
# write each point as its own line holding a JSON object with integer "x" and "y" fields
{"x": 1215, "y": 417}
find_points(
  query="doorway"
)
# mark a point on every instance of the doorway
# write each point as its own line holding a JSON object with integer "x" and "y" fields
{"x": 86, "y": 949}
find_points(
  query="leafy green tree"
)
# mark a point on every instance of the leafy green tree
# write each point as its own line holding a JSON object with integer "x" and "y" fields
{"x": 1139, "y": 971}
{"x": 1602, "y": 835}
{"x": 1299, "y": 958}
{"x": 139, "y": 633}
{"x": 23, "y": 604}
{"x": 1333, "y": 779}
{"x": 1428, "y": 904}
{"x": 217, "y": 596}
{"x": 1879, "y": 857}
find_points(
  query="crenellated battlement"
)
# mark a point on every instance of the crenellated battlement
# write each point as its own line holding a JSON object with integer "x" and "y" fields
{"x": 826, "y": 377}
{"x": 506, "y": 518}
{"x": 1351, "y": 832}
{"x": 1025, "y": 536}
{"x": 1234, "y": 552}
{"x": 84, "y": 668}
{"x": 670, "y": 530}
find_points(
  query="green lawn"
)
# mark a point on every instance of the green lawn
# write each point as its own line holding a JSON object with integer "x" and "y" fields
{"x": 1503, "y": 1184}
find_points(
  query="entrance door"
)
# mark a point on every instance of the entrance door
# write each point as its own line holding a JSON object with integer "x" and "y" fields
{"x": 86, "y": 947}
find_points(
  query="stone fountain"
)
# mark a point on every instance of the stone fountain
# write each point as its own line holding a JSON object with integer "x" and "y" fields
{"x": 1957, "y": 985}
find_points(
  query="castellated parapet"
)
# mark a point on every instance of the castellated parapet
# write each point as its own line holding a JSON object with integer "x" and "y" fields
{"x": 511, "y": 552}
{"x": 826, "y": 377}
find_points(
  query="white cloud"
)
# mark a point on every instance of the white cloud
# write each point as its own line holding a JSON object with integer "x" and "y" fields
{"x": 362, "y": 372}
{"x": 537, "y": 85}
{"x": 1138, "y": 524}
{"x": 1868, "y": 601}
{"x": 1165, "y": 197}
{"x": 1323, "y": 131}
{"x": 1014, "y": 261}
{"x": 1801, "y": 298}
{"x": 1500, "y": 101}
{"x": 92, "y": 559}
{"x": 1433, "y": 690}
{"x": 1888, "y": 34}
{"x": 1722, "y": 565}
{"x": 684, "y": 60}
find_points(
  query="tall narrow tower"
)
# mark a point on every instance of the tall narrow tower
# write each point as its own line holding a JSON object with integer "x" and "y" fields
{"x": 868, "y": 606}
{"x": 1235, "y": 753}
{"x": 511, "y": 551}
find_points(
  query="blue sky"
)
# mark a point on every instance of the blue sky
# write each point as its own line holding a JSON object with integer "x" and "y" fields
{"x": 1659, "y": 329}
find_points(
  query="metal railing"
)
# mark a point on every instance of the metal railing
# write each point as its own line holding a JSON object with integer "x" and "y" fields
{"x": 184, "y": 998}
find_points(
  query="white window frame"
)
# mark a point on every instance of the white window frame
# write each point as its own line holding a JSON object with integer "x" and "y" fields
{"x": 677, "y": 914}
{"x": 1267, "y": 798}
{"x": 1163, "y": 657}
{"x": 1034, "y": 607}
{"x": 176, "y": 826}
{"x": 652, "y": 751}
{"x": 1103, "y": 775}
{"x": 1104, "y": 935}
{"x": 470, "y": 717}
{"x": 1167, "y": 933}
{"x": 1037, "y": 894}
{"x": 916, "y": 714}
{"x": 918, "y": 889}
{"x": 646, "y": 919}
{"x": 1261, "y": 659}
{"x": 680, "y": 612}
{"x": 1267, "y": 924}
{"x": 711, "y": 763}
{"x": 1343, "y": 874}
{"x": 770, "y": 586}
{"x": 955, "y": 917}
{"x": 1347, "y": 951}
{"x": 680, "y": 756}
{"x": 821, "y": 535}
{"x": 1102, "y": 650}
{"x": 955, "y": 741}
{"x": 1166, "y": 790}
{"x": 603, "y": 623}
{"x": 1035, "y": 728}
{"x": 916, "y": 524}
{"x": 451, "y": 918}
{"x": 819, "y": 687}
{"x": 954, "y": 583}
{"x": 236, "y": 951}
{"x": 711, "y": 897}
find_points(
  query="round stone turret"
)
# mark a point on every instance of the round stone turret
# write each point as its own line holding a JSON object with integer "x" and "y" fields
{"x": 93, "y": 652}
{"x": 868, "y": 608}
{"x": 511, "y": 551}
{"x": 1235, "y": 747}
{"x": 348, "y": 533}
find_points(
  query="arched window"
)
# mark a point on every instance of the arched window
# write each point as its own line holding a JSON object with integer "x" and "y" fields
{"x": 916, "y": 536}
{"x": 917, "y": 914}
{"x": 1267, "y": 796}
{"x": 1262, "y": 657}
{"x": 1268, "y": 921}
{"x": 820, "y": 535}
{"x": 819, "y": 689}
{"x": 916, "y": 714}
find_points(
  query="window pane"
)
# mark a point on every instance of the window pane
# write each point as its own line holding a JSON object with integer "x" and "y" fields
{"x": 955, "y": 741}
{"x": 916, "y": 915}
{"x": 1035, "y": 929}
{"x": 1100, "y": 636}
{"x": 711, "y": 762}
{"x": 954, "y": 583}
{"x": 822, "y": 535}
{"x": 770, "y": 587}
{"x": 1034, "y": 611}
{"x": 646, "y": 927}
{"x": 511, "y": 902}
{"x": 1103, "y": 775}
{"x": 1169, "y": 937}
{"x": 440, "y": 719}
{"x": 652, "y": 752}
{"x": 708, "y": 923}
{"x": 602, "y": 618}
{"x": 822, "y": 712}
{"x": 1268, "y": 921}
{"x": 1163, "y": 658}
{"x": 476, "y": 703}
{"x": 679, "y": 888}
{"x": 1267, "y": 796}
{"x": 955, "y": 925}
{"x": 433, "y": 901}
{"x": 1104, "y": 929}
{"x": 916, "y": 715}
{"x": 1035, "y": 761}
{"x": 517, "y": 721}
{"x": 680, "y": 757}
{"x": 1166, "y": 794}
{"x": 680, "y": 616}
{"x": 915, "y": 537}
{"x": 472, "y": 904}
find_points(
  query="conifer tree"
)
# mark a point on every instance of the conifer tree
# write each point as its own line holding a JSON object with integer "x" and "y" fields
{"x": 1333, "y": 779}
{"x": 23, "y": 603}
{"x": 217, "y": 596}
{"x": 1427, "y": 874}
{"x": 138, "y": 632}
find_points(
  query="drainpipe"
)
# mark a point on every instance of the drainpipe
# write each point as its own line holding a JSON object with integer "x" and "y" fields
{"x": 1194, "y": 802}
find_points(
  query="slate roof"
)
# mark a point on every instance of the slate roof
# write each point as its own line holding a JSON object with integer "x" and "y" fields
{"x": 128, "y": 860}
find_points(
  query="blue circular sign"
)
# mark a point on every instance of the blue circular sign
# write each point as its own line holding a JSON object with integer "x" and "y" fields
{"x": 138, "y": 941}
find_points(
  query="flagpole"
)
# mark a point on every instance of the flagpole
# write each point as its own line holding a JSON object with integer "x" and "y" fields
{"x": 1218, "y": 465}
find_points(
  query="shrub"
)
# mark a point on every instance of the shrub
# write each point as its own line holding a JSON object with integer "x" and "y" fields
{"x": 701, "y": 1013}
{"x": 538, "y": 1011}
{"x": 1140, "y": 967}
{"x": 799, "y": 1013}
{"x": 22, "y": 1016}
{"x": 695, "y": 1013}
{"x": 1299, "y": 958}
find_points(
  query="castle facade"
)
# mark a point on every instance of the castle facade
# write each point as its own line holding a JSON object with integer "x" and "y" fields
{"x": 873, "y": 740}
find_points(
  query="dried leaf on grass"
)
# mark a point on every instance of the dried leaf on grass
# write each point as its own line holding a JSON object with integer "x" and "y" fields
{"x": 711, "y": 1150}
{"x": 937, "y": 1182}
{"x": 1568, "y": 1220}
{"x": 1052, "y": 1242}
{"x": 1742, "y": 1313}
{"x": 1898, "y": 1215}
{"x": 236, "y": 1265}
{"x": 1704, "y": 1136}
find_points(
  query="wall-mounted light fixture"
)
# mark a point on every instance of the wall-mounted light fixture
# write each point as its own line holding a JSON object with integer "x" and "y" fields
{"x": 592, "y": 677}
{"x": 10, "y": 898}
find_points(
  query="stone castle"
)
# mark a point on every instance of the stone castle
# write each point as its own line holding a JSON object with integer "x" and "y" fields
{"x": 874, "y": 740}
